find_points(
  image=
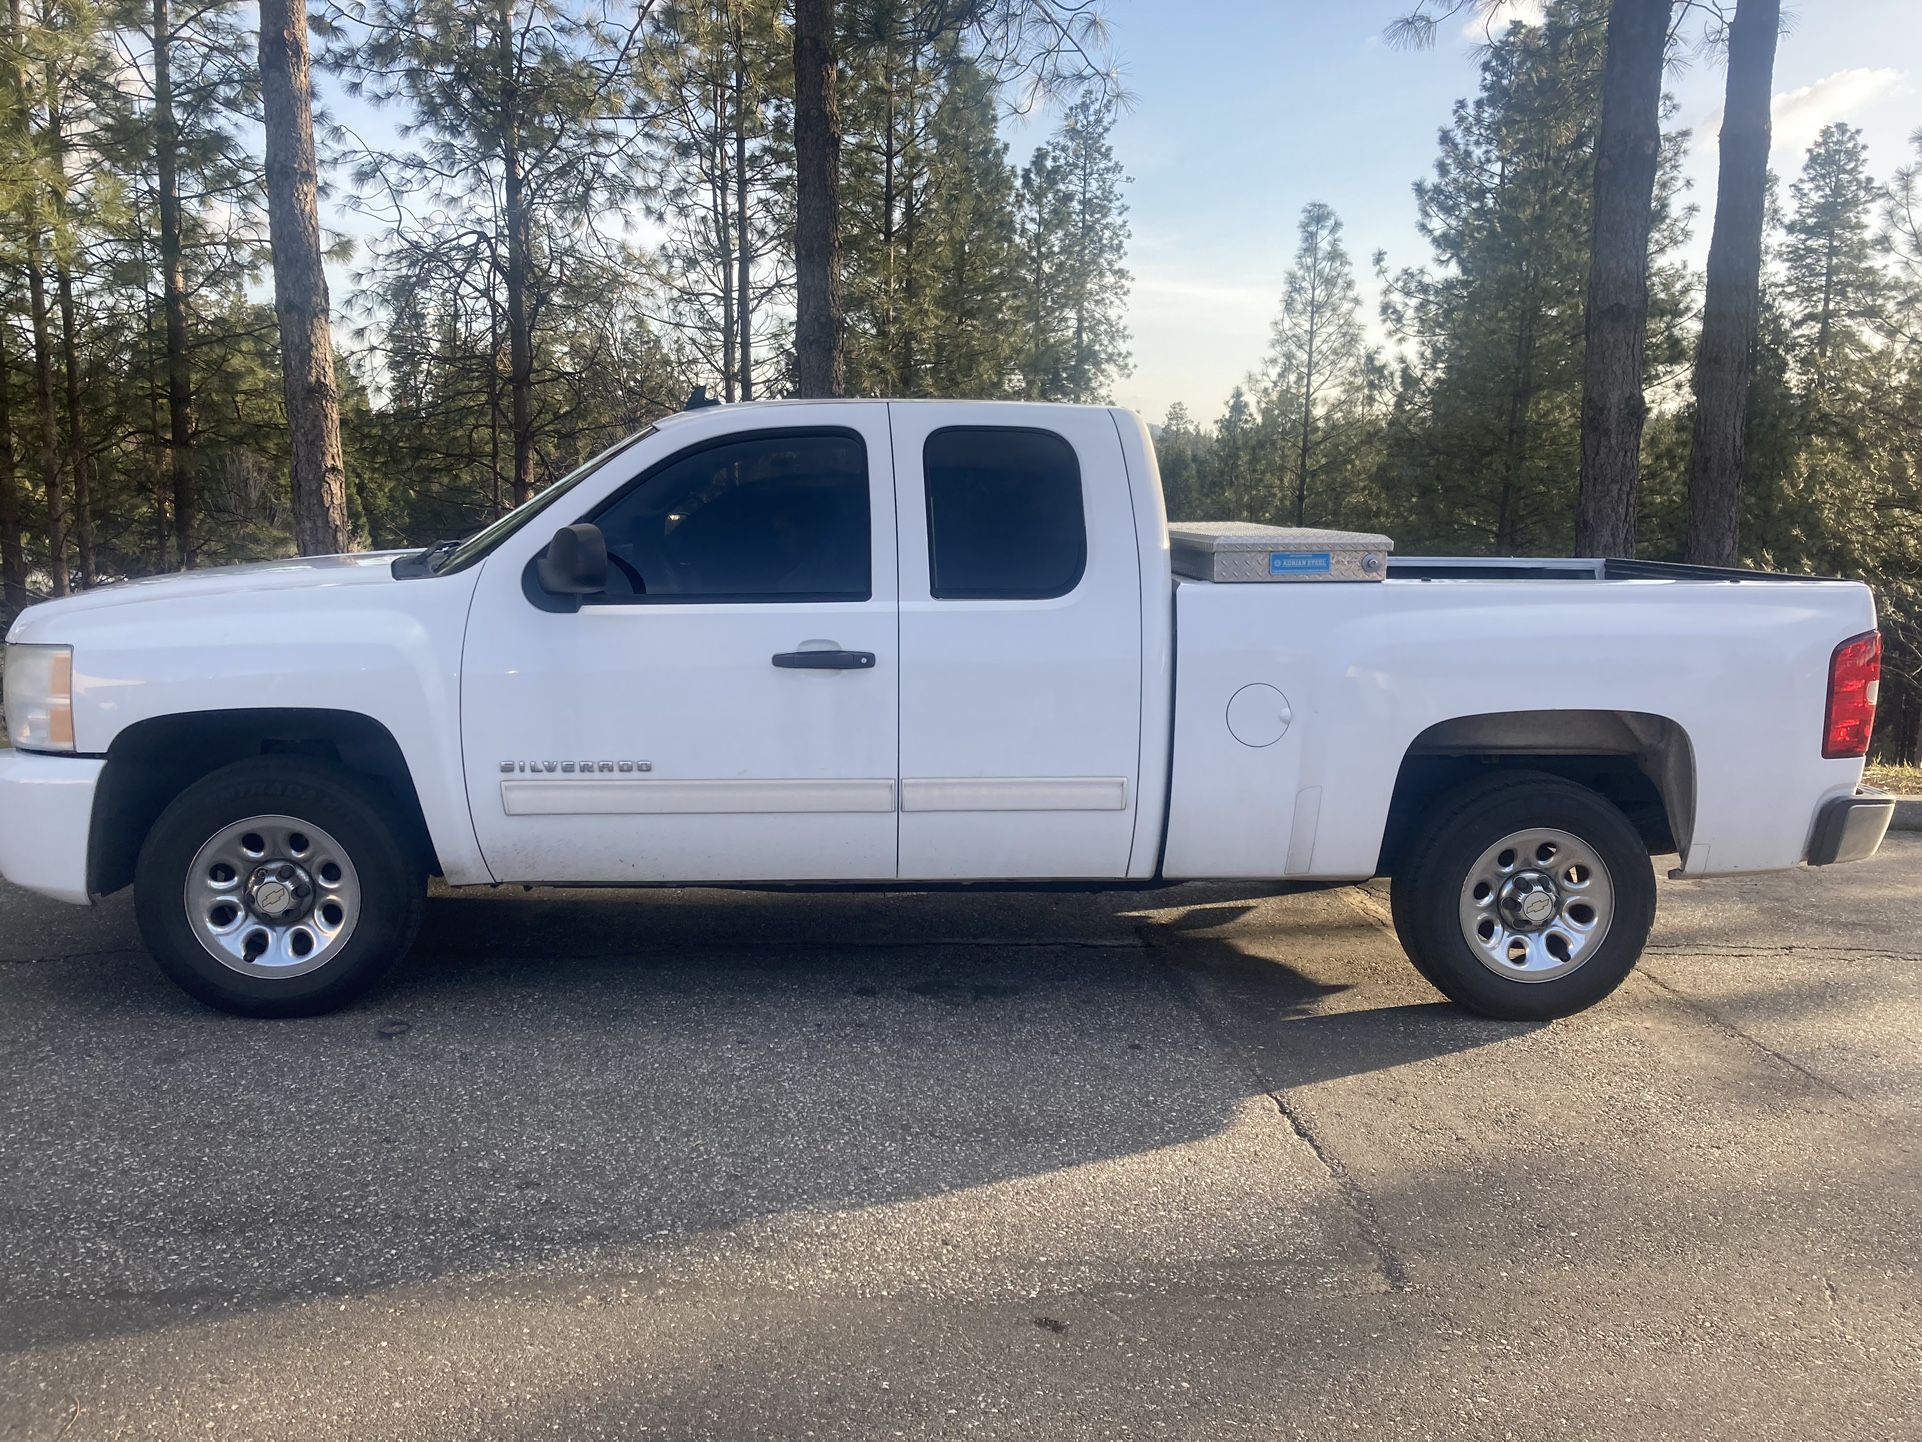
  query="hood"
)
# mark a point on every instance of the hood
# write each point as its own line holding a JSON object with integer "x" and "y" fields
{"x": 296, "y": 573}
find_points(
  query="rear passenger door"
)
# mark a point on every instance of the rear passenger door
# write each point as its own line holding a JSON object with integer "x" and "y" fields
{"x": 1020, "y": 642}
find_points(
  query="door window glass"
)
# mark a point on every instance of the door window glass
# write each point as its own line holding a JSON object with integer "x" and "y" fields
{"x": 1004, "y": 514}
{"x": 778, "y": 515}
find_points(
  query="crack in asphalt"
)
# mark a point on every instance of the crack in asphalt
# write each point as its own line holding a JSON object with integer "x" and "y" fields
{"x": 116, "y": 951}
{"x": 1367, "y": 1218}
{"x": 1354, "y": 1196}
{"x": 1722, "y": 1023}
{"x": 1787, "y": 948}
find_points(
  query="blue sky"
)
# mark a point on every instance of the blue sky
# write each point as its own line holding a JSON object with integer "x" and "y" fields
{"x": 1247, "y": 109}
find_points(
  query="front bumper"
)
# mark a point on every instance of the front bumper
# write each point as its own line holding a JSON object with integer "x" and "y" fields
{"x": 46, "y": 813}
{"x": 1850, "y": 828}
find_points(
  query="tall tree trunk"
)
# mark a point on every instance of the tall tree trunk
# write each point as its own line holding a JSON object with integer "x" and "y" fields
{"x": 1628, "y": 152}
{"x": 744, "y": 252}
{"x": 494, "y": 404}
{"x": 520, "y": 334}
{"x": 720, "y": 189}
{"x": 13, "y": 555}
{"x": 300, "y": 282}
{"x": 43, "y": 413}
{"x": 173, "y": 289}
{"x": 1724, "y": 358}
{"x": 818, "y": 363}
{"x": 1308, "y": 388}
{"x": 34, "y": 243}
{"x": 907, "y": 317}
{"x": 78, "y": 461}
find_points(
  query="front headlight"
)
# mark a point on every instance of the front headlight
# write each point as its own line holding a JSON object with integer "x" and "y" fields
{"x": 39, "y": 697}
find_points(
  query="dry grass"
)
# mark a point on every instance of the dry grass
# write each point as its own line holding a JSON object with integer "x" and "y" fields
{"x": 1905, "y": 780}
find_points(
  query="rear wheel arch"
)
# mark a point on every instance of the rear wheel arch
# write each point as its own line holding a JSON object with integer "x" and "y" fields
{"x": 153, "y": 761}
{"x": 1642, "y": 762}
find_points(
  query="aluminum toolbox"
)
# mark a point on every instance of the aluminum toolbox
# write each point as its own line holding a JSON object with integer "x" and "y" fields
{"x": 1242, "y": 551}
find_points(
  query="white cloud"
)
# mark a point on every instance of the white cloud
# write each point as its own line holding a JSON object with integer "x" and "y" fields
{"x": 1485, "y": 24}
{"x": 1800, "y": 114}
{"x": 1178, "y": 297}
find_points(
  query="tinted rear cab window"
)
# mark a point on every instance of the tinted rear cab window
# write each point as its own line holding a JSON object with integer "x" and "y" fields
{"x": 1004, "y": 514}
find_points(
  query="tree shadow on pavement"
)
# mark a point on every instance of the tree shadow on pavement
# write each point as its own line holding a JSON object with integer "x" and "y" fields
{"x": 551, "y": 1077}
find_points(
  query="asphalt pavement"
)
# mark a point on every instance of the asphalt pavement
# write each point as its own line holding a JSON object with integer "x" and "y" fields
{"x": 1207, "y": 1163}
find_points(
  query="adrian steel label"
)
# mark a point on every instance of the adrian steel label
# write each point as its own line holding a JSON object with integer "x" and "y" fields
{"x": 1284, "y": 563}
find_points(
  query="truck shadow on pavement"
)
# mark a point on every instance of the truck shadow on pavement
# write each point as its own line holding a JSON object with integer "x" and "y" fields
{"x": 558, "y": 1076}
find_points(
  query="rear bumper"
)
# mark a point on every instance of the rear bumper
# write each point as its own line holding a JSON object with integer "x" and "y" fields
{"x": 46, "y": 813}
{"x": 1850, "y": 828}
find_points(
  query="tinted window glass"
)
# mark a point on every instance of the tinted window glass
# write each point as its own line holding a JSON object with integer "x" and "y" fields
{"x": 1004, "y": 514}
{"x": 778, "y": 515}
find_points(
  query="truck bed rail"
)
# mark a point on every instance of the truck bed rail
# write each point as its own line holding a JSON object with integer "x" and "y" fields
{"x": 1570, "y": 568}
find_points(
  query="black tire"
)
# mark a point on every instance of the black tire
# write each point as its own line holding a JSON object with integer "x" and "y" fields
{"x": 389, "y": 869}
{"x": 1429, "y": 885}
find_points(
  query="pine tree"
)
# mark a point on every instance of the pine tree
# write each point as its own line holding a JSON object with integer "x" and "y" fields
{"x": 1181, "y": 455}
{"x": 1073, "y": 236}
{"x": 1834, "y": 287}
{"x": 1319, "y": 370}
{"x": 970, "y": 243}
{"x": 1483, "y": 441}
{"x": 928, "y": 206}
{"x": 1043, "y": 48}
{"x": 894, "y": 81}
{"x": 192, "y": 217}
{"x": 523, "y": 123}
{"x": 28, "y": 154}
{"x": 719, "y": 161}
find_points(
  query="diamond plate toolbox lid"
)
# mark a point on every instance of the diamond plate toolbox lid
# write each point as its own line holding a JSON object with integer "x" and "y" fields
{"x": 1242, "y": 551}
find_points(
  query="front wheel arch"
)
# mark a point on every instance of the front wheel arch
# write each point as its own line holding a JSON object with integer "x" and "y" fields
{"x": 153, "y": 761}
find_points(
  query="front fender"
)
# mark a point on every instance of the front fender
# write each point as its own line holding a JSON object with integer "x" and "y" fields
{"x": 390, "y": 652}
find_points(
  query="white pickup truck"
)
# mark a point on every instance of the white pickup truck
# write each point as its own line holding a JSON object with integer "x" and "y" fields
{"x": 915, "y": 644}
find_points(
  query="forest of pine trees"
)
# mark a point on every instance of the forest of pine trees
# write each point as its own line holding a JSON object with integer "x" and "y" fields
{"x": 576, "y": 210}
{"x": 1455, "y": 425}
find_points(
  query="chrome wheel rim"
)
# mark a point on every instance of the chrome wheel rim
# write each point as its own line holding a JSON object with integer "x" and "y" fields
{"x": 272, "y": 896}
{"x": 1537, "y": 904}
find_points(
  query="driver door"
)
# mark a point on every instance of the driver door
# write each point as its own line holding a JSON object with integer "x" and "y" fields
{"x": 728, "y": 709}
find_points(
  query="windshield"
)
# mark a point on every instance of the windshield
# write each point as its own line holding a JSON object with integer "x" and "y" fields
{"x": 476, "y": 546}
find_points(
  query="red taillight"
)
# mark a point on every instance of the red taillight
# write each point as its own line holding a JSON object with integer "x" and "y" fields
{"x": 1855, "y": 679}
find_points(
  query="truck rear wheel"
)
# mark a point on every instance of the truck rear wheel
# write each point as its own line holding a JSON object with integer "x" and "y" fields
{"x": 278, "y": 886}
{"x": 1526, "y": 897}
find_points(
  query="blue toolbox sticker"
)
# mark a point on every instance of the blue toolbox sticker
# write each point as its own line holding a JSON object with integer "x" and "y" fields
{"x": 1282, "y": 562}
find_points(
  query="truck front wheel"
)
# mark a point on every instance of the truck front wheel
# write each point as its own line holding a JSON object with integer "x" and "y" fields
{"x": 1526, "y": 897}
{"x": 278, "y": 886}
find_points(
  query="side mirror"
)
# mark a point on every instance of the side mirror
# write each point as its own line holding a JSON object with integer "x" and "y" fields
{"x": 575, "y": 562}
